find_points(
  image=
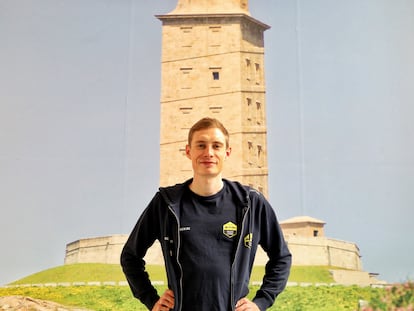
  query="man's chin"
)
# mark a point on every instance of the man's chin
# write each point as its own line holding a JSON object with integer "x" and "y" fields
{"x": 209, "y": 173}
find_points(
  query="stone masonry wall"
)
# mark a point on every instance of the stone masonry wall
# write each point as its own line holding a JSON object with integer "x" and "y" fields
{"x": 317, "y": 251}
{"x": 324, "y": 251}
{"x": 106, "y": 249}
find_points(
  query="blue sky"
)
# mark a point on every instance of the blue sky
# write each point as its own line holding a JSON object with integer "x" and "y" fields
{"x": 79, "y": 122}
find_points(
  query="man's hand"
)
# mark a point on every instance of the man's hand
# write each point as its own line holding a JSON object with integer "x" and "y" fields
{"x": 245, "y": 304}
{"x": 166, "y": 301}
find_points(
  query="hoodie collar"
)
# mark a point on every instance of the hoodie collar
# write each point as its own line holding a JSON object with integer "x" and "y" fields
{"x": 172, "y": 194}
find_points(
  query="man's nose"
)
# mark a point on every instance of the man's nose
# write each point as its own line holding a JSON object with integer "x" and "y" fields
{"x": 209, "y": 150}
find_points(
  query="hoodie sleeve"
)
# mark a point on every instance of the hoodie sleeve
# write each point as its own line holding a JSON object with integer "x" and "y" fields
{"x": 277, "y": 268}
{"x": 145, "y": 232}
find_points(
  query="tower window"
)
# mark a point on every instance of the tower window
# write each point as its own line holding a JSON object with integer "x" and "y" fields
{"x": 259, "y": 113}
{"x": 249, "y": 108}
{"x": 215, "y": 71}
{"x": 216, "y": 109}
{"x": 259, "y": 150}
{"x": 315, "y": 233}
{"x": 215, "y": 28}
{"x": 186, "y": 29}
{"x": 186, "y": 110}
{"x": 258, "y": 73}
{"x": 248, "y": 69}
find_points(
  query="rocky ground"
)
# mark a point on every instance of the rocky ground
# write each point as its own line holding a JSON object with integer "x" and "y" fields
{"x": 20, "y": 303}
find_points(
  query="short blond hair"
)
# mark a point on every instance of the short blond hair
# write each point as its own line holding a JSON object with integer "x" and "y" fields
{"x": 206, "y": 123}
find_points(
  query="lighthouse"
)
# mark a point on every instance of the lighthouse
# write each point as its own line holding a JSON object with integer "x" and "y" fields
{"x": 212, "y": 65}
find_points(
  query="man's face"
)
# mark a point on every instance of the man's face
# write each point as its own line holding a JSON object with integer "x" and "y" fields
{"x": 208, "y": 152}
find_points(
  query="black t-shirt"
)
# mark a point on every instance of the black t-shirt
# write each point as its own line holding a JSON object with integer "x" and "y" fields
{"x": 208, "y": 237}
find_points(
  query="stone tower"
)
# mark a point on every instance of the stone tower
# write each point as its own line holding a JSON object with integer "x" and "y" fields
{"x": 213, "y": 65}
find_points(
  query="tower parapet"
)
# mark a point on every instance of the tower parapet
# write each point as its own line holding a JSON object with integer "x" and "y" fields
{"x": 211, "y": 7}
{"x": 303, "y": 226}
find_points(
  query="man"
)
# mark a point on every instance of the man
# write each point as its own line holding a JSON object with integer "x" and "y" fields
{"x": 209, "y": 229}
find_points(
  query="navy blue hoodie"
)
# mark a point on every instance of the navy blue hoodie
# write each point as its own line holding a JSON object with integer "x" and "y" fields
{"x": 160, "y": 221}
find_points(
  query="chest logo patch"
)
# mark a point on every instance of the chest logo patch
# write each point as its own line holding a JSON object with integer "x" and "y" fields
{"x": 230, "y": 229}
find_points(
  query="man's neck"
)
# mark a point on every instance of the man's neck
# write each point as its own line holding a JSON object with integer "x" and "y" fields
{"x": 205, "y": 186}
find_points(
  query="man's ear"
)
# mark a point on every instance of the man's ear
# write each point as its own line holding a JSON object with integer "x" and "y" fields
{"x": 187, "y": 151}
{"x": 228, "y": 152}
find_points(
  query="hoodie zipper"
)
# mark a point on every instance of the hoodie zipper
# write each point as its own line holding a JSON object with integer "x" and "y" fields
{"x": 177, "y": 256}
{"x": 245, "y": 211}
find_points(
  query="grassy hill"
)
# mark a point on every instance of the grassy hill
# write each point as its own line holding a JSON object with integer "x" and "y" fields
{"x": 85, "y": 272}
{"x": 119, "y": 298}
{"x": 91, "y": 272}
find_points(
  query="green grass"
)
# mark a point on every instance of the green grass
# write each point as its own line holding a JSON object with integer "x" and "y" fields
{"x": 85, "y": 272}
{"x": 99, "y": 298}
{"x": 89, "y": 272}
{"x": 326, "y": 298}
{"x": 119, "y": 298}
{"x": 301, "y": 274}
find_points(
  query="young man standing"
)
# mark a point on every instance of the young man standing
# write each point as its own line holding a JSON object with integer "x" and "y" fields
{"x": 209, "y": 229}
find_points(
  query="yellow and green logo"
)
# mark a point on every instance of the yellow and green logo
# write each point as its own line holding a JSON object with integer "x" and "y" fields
{"x": 230, "y": 229}
{"x": 248, "y": 240}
